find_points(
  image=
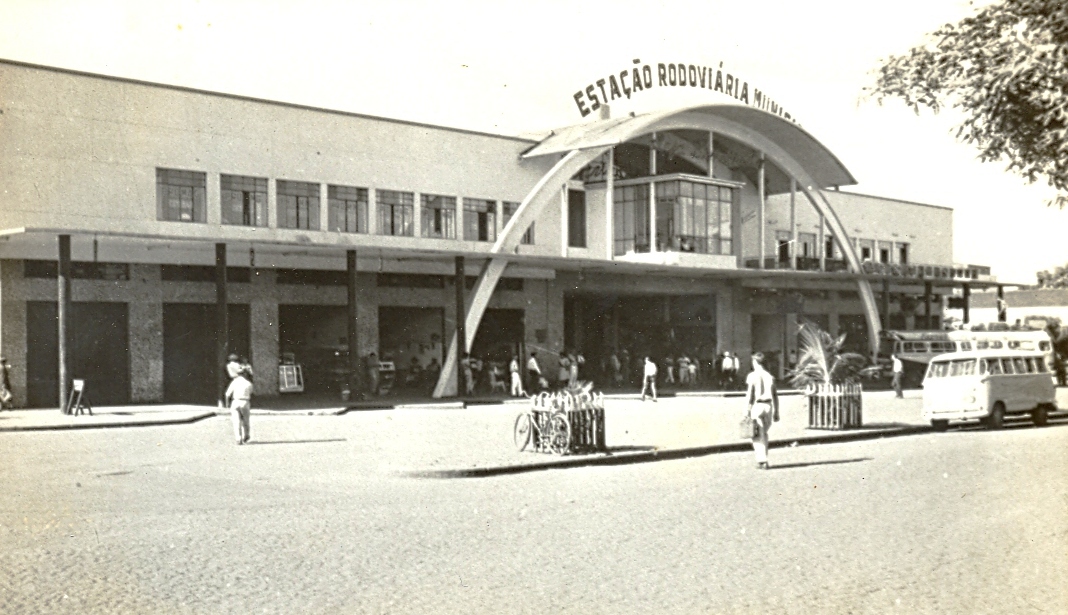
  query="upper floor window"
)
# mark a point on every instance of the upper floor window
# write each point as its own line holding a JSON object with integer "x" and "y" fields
{"x": 181, "y": 196}
{"x": 576, "y": 218}
{"x": 298, "y": 205}
{"x": 244, "y": 200}
{"x": 509, "y": 210}
{"x": 903, "y": 253}
{"x": 630, "y": 218}
{"x": 694, "y": 217}
{"x": 480, "y": 220}
{"x": 346, "y": 209}
{"x": 395, "y": 212}
{"x": 438, "y": 216}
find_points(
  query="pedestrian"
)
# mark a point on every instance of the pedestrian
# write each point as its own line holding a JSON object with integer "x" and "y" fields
{"x": 6, "y": 394}
{"x": 577, "y": 361}
{"x": 467, "y": 367}
{"x": 563, "y": 375}
{"x": 233, "y": 366}
{"x": 649, "y": 379}
{"x": 684, "y": 370}
{"x": 533, "y": 373}
{"x": 239, "y": 398}
{"x": 899, "y": 372}
{"x": 669, "y": 370}
{"x": 617, "y": 369}
{"x": 517, "y": 381}
{"x": 374, "y": 367}
{"x": 763, "y": 401}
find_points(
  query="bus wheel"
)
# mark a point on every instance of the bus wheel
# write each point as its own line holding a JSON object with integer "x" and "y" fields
{"x": 997, "y": 416}
{"x": 940, "y": 424}
{"x": 1040, "y": 415}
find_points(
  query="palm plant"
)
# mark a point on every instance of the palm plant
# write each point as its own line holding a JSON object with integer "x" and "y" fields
{"x": 820, "y": 359}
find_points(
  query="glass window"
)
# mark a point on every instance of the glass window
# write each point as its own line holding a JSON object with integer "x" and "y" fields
{"x": 993, "y": 366}
{"x": 982, "y": 345}
{"x": 244, "y": 200}
{"x": 903, "y": 253}
{"x": 438, "y": 216}
{"x": 962, "y": 367}
{"x": 1040, "y": 366}
{"x": 480, "y": 220}
{"x": 965, "y": 345}
{"x": 298, "y": 205}
{"x": 1006, "y": 366}
{"x": 346, "y": 209}
{"x": 996, "y": 344}
{"x": 938, "y": 369}
{"x": 395, "y": 212}
{"x": 630, "y": 219}
{"x": 576, "y": 218}
{"x": 510, "y": 208}
{"x": 181, "y": 196}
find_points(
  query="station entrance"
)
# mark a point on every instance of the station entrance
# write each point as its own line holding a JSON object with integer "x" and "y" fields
{"x": 317, "y": 337}
{"x": 190, "y": 363}
{"x": 633, "y": 326}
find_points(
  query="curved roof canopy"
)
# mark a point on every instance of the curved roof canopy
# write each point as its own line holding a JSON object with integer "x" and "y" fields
{"x": 822, "y": 165}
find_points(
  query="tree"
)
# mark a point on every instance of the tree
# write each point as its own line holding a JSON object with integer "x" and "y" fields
{"x": 1006, "y": 69}
{"x": 821, "y": 359}
{"x": 1058, "y": 278}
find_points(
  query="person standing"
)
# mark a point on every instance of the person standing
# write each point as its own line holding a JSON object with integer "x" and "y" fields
{"x": 533, "y": 372}
{"x": 517, "y": 381}
{"x": 899, "y": 372}
{"x": 239, "y": 398}
{"x": 564, "y": 373}
{"x": 6, "y": 394}
{"x": 649, "y": 378}
{"x": 763, "y": 401}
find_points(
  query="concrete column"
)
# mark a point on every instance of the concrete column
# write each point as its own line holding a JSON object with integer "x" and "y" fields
{"x": 967, "y": 300}
{"x": 711, "y": 150}
{"x": 1002, "y": 316}
{"x": 263, "y": 318}
{"x": 926, "y": 305}
{"x": 886, "y": 304}
{"x": 760, "y": 211}
{"x": 565, "y": 221}
{"x": 355, "y": 375}
{"x": 822, "y": 249}
{"x": 652, "y": 196}
{"x": 146, "y": 335}
{"x": 793, "y": 223}
{"x": 461, "y": 311}
{"x": 609, "y": 205}
{"x": 64, "y": 316}
{"x": 222, "y": 322}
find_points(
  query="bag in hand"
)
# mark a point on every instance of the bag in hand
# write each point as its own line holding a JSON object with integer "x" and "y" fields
{"x": 747, "y": 428}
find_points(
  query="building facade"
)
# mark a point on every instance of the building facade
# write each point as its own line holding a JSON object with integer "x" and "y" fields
{"x": 146, "y": 231}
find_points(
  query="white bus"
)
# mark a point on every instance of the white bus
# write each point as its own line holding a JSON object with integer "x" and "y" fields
{"x": 988, "y": 385}
{"x": 917, "y": 348}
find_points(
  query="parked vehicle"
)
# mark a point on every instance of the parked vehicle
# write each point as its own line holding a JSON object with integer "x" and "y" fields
{"x": 988, "y": 385}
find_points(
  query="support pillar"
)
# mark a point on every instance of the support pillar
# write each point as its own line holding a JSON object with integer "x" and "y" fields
{"x": 1003, "y": 315}
{"x": 760, "y": 211}
{"x": 886, "y": 304}
{"x": 609, "y": 203}
{"x": 64, "y": 316}
{"x": 967, "y": 300}
{"x": 793, "y": 223}
{"x": 461, "y": 311}
{"x": 926, "y": 305}
{"x": 822, "y": 248}
{"x": 222, "y": 323}
{"x": 652, "y": 197}
{"x": 355, "y": 379}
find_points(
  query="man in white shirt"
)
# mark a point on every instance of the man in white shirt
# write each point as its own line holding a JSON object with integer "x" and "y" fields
{"x": 649, "y": 381}
{"x": 517, "y": 381}
{"x": 239, "y": 398}
{"x": 533, "y": 372}
{"x": 763, "y": 407}
{"x": 899, "y": 372}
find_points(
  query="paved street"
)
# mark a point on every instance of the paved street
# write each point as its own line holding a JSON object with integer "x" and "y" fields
{"x": 315, "y": 518}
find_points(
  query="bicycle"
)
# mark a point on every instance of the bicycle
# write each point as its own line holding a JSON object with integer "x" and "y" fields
{"x": 548, "y": 431}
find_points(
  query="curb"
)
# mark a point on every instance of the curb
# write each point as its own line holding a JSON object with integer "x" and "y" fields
{"x": 661, "y": 455}
{"x": 135, "y": 423}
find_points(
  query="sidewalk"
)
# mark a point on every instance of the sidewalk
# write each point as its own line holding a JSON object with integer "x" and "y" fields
{"x": 457, "y": 439}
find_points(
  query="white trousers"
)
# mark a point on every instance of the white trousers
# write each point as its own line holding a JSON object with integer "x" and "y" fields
{"x": 240, "y": 409}
{"x": 761, "y": 415}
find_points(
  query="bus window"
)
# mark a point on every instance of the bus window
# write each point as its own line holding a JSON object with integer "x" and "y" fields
{"x": 938, "y": 370}
{"x": 1040, "y": 366}
{"x": 1014, "y": 344}
{"x": 995, "y": 344}
{"x": 1020, "y": 364}
{"x": 993, "y": 366}
{"x": 982, "y": 345}
{"x": 1044, "y": 346}
{"x": 1006, "y": 366}
{"x": 964, "y": 367}
{"x": 965, "y": 345}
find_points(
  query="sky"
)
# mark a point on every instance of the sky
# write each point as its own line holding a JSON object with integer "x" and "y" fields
{"x": 513, "y": 68}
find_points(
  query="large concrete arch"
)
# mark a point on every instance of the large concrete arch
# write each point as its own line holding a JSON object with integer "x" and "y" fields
{"x": 585, "y": 151}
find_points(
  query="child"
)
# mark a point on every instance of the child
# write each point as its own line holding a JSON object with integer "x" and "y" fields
{"x": 239, "y": 398}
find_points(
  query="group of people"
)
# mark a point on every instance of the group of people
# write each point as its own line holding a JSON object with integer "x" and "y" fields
{"x": 684, "y": 370}
{"x": 569, "y": 367}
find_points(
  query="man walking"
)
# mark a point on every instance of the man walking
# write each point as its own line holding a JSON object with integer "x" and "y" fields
{"x": 763, "y": 407}
{"x": 239, "y": 398}
{"x": 517, "y": 382}
{"x": 533, "y": 373}
{"x": 899, "y": 372}
{"x": 649, "y": 379}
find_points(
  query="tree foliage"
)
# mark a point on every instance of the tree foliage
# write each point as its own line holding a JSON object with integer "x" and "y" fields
{"x": 820, "y": 359}
{"x": 1006, "y": 69}
{"x": 1057, "y": 278}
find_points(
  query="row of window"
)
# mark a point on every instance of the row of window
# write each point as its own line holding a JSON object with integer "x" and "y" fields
{"x": 181, "y": 196}
{"x": 994, "y": 367}
{"x": 690, "y": 217}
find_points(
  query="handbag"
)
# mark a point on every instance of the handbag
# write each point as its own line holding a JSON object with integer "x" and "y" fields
{"x": 747, "y": 429}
